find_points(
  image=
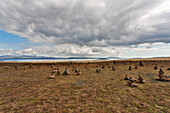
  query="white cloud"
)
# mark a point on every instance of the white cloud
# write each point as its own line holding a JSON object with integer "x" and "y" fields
{"x": 17, "y": 52}
{"x": 86, "y": 24}
{"x": 71, "y": 50}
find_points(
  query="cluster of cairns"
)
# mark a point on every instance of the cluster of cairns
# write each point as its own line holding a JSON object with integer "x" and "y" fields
{"x": 56, "y": 70}
{"x": 140, "y": 63}
{"x": 51, "y": 76}
{"x": 131, "y": 81}
{"x": 130, "y": 68}
{"x": 30, "y": 66}
{"x": 77, "y": 71}
{"x": 66, "y": 72}
{"x": 98, "y": 70}
{"x": 161, "y": 76}
{"x": 86, "y": 68}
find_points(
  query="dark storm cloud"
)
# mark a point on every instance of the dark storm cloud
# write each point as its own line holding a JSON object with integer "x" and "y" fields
{"x": 92, "y": 23}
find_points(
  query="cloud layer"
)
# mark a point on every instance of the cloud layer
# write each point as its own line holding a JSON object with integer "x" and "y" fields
{"x": 17, "y": 52}
{"x": 87, "y": 25}
{"x": 65, "y": 50}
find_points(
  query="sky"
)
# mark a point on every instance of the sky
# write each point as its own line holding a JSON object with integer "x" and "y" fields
{"x": 102, "y": 28}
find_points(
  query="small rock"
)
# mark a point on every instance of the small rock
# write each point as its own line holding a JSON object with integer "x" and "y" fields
{"x": 141, "y": 104}
{"x": 168, "y": 69}
{"x": 112, "y": 79}
{"x": 79, "y": 83}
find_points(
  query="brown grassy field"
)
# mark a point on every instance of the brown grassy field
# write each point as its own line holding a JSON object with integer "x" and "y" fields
{"x": 29, "y": 89}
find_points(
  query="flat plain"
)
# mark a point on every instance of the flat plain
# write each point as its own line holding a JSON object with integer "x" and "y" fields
{"x": 27, "y": 89}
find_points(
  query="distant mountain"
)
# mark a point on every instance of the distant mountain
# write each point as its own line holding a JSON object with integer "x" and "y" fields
{"x": 81, "y": 58}
{"x": 44, "y": 57}
{"x": 34, "y": 57}
{"x": 18, "y": 56}
{"x": 114, "y": 58}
